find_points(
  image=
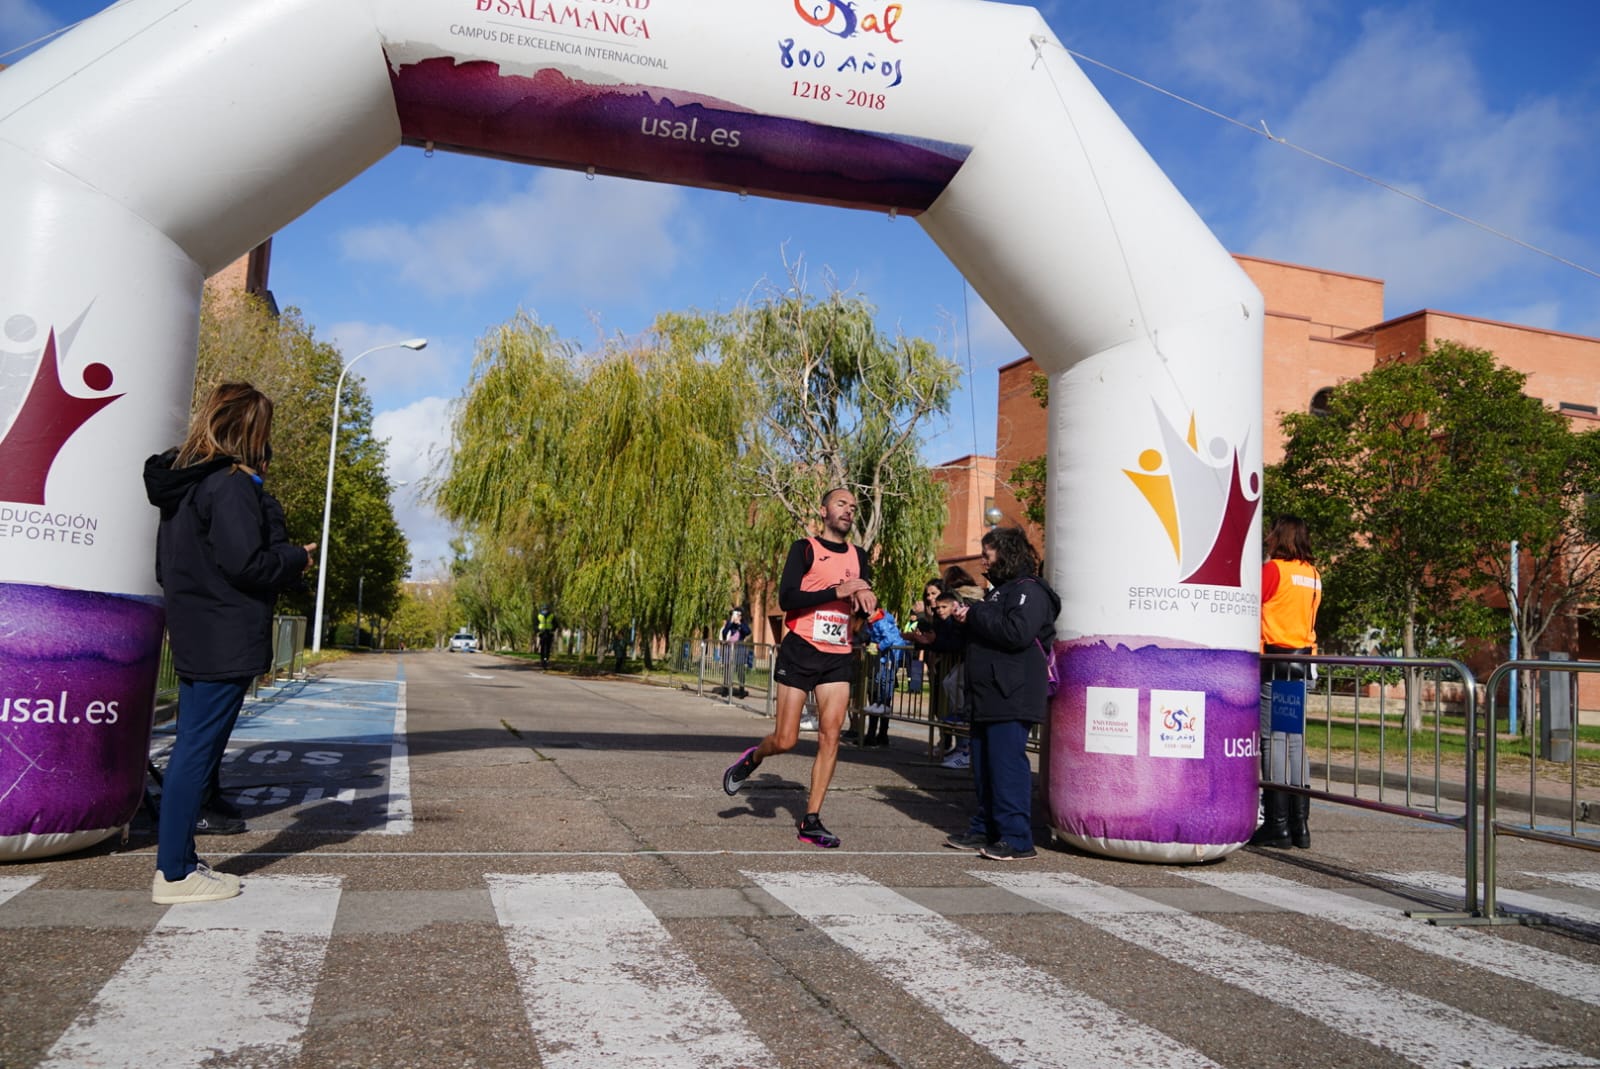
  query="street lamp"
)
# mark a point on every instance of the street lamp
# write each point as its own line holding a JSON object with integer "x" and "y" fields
{"x": 327, "y": 500}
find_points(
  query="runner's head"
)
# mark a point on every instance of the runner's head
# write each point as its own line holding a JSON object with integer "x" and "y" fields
{"x": 838, "y": 513}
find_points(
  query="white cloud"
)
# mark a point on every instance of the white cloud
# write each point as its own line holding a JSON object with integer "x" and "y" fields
{"x": 1418, "y": 118}
{"x": 401, "y": 373}
{"x": 560, "y": 234}
{"x": 418, "y": 438}
{"x": 1239, "y": 47}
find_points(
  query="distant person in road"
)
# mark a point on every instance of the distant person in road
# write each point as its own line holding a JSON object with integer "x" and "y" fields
{"x": 221, "y": 568}
{"x": 825, "y": 582}
{"x": 546, "y": 626}
{"x": 735, "y": 653}
{"x": 1291, "y": 593}
{"x": 1007, "y": 682}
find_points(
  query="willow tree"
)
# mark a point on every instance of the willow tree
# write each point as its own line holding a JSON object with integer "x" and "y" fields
{"x": 841, "y": 403}
{"x": 241, "y": 339}
{"x": 506, "y": 479}
{"x": 613, "y": 475}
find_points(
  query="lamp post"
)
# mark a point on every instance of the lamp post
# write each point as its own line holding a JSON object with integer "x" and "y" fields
{"x": 327, "y": 500}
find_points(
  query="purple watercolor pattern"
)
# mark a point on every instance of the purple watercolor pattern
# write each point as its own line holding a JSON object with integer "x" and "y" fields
{"x": 1143, "y": 799}
{"x": 77, "y": 690}
{"x": 665, "y": 135}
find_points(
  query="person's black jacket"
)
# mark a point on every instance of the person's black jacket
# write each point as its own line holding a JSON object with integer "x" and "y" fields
{"x": 1006, "y": 672}
{"x": 219, "y": 566}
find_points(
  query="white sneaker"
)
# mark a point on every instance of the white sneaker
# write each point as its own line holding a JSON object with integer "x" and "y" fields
{"x": 201, "y": 885}
{"x": 809, "y": 722}
{"x": 957, "y": 759}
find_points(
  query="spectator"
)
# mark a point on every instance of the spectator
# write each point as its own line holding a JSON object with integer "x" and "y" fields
{"x": 736, "y": 652}
{"x": 221, "y": 571}
{"x": 1007, "y": 689}
{"x": 882, "y": 631}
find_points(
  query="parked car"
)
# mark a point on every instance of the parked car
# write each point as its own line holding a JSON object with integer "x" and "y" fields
{"x": 463, "y": 642}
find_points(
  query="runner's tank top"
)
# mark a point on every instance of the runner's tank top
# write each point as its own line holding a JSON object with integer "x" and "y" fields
{"x": 826, "y": 626}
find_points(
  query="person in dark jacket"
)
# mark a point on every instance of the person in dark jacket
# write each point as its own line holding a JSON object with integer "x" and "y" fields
{"x": 221, "y": 569}
{"x": 1008, "y": 634}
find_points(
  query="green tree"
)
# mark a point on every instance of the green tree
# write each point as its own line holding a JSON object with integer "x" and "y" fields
{"x": 241, "y": 339}
{"x": 424, "y": 617}
{"x": 840, "y": 403}
{"x": 608, "y": 485}
{"x": 1417, "y": 479}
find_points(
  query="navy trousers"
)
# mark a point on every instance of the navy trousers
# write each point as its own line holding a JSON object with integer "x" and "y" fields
{"x": 207, "y": 710}
{"x": 1004, "y": 781}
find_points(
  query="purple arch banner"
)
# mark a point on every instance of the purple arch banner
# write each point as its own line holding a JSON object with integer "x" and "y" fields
{"x": 161, "y": 139}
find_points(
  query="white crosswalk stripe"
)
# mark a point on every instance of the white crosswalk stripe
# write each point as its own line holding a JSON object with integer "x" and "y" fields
{"x": 1471, "y": 946}
{"x": 1524, "y": 901}
{"x": 11, "y": 885}
{"x": 602, "y": 979}
{"x": 994, "y": 998}
{"x": 214, "y": 980}
{"x": 1423, "y": 1031}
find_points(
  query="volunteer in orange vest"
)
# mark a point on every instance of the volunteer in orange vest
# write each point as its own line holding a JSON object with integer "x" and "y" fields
{"x": 1291, "y": 591}
{"x": 825, "y": 581}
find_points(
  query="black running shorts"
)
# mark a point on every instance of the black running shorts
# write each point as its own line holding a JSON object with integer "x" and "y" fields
{"x": 804, "y": 667}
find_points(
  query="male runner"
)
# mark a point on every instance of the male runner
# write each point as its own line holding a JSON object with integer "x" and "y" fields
{"x": 825, "y": 580}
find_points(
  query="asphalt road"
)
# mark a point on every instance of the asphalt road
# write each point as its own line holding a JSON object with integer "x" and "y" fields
{"x": 456, "y": 860}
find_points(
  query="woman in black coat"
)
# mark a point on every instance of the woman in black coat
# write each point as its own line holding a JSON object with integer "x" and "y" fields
{"x": 221, "y": 559}
{"x": 1008, "y": 634}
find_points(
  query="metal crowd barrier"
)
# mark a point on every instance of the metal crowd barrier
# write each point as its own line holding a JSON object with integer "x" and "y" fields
{"x": 1541, "y": 734}
{"x": 1340, "y": 692}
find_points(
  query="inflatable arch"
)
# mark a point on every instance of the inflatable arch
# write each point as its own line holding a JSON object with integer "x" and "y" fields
{"x": 161, "y": 139}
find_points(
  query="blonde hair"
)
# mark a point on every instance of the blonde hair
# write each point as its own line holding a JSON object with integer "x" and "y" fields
{"x": 235, "y": 421}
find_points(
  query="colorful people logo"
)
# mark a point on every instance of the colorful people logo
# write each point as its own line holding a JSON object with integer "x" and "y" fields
{"x": 1201, "y": 501}
{"x": 42, "y": 420}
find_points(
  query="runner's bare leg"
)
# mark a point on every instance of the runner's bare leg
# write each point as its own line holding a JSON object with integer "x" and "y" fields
{"x": 786, "y": 731}
{"x": 833, "y": 701}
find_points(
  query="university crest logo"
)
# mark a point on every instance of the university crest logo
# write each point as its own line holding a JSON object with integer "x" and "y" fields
{"x": 42, "y": 413}
{"x": 1202, "y": 501}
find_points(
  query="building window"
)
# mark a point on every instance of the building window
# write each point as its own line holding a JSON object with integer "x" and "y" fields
{"x": 1588, "y": 410}
{"x": 1320, "y": 401}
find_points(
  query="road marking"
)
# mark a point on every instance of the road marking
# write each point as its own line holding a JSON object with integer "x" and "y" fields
{"x": 1588, "y": 880}
{"x": 1524, "y": 901}
{"x": 213, "y": 981}
{"x": 1421, "y": 1030}
{"x": 1470, "y": 946}
{"x": 397, "y": 819}
{"x": 601, "y": 978}
{"x": 11, "y": 885}
{"x": 1022, "y": 1016}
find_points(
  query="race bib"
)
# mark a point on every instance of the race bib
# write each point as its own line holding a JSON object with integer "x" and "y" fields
{"x": 830, "y": 628}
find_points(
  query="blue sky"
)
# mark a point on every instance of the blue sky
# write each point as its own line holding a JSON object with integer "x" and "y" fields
{"x": 1485, "y": 107}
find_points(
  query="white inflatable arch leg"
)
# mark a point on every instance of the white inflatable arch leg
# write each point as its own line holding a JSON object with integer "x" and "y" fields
{"x": 1151, "y": 335}
{"x": 163, "y": 138}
